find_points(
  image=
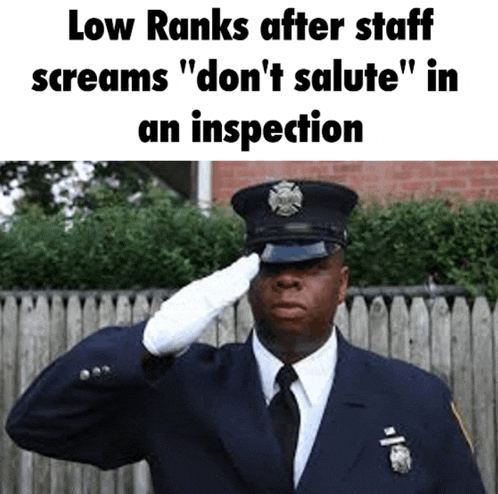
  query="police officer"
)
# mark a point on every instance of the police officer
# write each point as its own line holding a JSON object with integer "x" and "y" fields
{"x": 295, "y": 408}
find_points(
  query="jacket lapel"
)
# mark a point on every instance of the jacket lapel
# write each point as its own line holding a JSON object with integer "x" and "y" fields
{"x": 246, "y": 430}
{"x": 344, "y": 427}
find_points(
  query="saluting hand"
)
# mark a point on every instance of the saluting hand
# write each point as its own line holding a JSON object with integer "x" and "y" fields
{"x": 183, "y": 317}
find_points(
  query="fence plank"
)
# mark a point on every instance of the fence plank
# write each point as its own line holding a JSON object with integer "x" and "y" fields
{"x": 420, "y": 353}
{"x": 58, "y": 469}
{"x": 244, "y": 320}
{"x": 74, "y": 321}
{"x": 378, "y": 327}
{"x": 399, "y": 326}
{"x": 341, "y": 320}
{"x": 108, "y": 482}
{"x": 90, "y": 316}
{"x": 107, "y": 317}
{"x": 27, "y": 343}
{"x": 125, "y": 479}
{"x": 441, "y": 340}
{"x": 26, "y": 358}
{"x": 461, "y": 360}
{"x": 107, "y": 312}
{"x": 41, "y": 464}
{"x": 10, "y": 342}
{"x": 157, "y": 300}
{"x": 42, "y": 327}
{"x": 141, "y": 474}
{"x": 74, "y": 335}
{"x": 58, "y": 340}
{"x": 482, "y": 343}
{"x": 123, "y": 311}
{"x": 91, "y": 475}
{"x": 359, "y": 323}
{"x": 140, "y": 309}
{"x": 141, "y": 478}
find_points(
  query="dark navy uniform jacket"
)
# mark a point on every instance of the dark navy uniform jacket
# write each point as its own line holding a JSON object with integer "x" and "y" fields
{"x": 203, "y": 426}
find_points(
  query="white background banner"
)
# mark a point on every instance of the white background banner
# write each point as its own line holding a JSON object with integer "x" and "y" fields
{"x": 374, "y": 80}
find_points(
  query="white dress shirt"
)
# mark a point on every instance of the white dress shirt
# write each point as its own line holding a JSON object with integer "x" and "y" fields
{"x": 311, "y": 389}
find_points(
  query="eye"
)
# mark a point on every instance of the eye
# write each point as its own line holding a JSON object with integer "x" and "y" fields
{"x": 270, "y": 269}
{"x": 313, "y": 264}
{"x": 306, "y": 265}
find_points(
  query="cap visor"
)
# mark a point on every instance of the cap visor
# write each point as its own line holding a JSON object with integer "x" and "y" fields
{"x": 275, "y": 253}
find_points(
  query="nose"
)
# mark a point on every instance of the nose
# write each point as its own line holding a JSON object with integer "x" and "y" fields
{"x": 286, "y": 279}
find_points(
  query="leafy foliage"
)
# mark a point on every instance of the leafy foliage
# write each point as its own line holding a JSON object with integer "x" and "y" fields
{"x": 38, "y": 178}
{"x": 166, "y": 243}
{"x": 405, "y": 242}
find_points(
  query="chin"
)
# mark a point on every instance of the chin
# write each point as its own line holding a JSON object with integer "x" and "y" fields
{"x": 288, "y": 328}
{"x": 309, "y": 330}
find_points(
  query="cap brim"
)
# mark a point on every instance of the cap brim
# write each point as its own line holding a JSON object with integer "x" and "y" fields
{"x": 285, "y": 253}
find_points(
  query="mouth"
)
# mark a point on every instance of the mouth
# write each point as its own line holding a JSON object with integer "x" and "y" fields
{"x": 287, "y": 310}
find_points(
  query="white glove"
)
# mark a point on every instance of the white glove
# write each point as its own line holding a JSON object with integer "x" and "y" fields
{"x": 183, "y": 317}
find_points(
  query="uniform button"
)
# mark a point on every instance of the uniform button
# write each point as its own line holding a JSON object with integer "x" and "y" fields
{"x": 84, "y": 374}
{"x": 106, "y": 369}
{"x": 96, "y": 372}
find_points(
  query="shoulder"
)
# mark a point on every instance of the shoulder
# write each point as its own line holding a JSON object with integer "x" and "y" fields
{"x": 399, "y": 382}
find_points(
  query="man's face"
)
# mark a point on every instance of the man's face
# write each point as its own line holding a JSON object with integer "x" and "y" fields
{"x": 297, "y": 302}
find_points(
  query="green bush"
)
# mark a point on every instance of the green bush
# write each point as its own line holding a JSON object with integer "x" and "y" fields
{"x": 165, "y": 243}
{"x": 405, "y": 242}
{"x": 118, "y": 246}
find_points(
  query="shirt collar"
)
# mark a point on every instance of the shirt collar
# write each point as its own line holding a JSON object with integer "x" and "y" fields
{"x": 315, "y": 372}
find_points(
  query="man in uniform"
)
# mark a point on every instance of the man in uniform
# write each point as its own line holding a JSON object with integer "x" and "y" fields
{"x": 294, "y": 409}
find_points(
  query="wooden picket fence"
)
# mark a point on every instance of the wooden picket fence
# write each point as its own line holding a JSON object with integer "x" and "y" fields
{"x": 460, "y": 345}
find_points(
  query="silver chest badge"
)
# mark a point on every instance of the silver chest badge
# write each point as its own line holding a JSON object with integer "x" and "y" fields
{"x": 401, "y": 461}
{"x": 285, "y": 198}
{"x": 399, "y": 454}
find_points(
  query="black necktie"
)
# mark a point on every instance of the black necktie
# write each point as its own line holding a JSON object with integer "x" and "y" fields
{"x": 284, "y": 412}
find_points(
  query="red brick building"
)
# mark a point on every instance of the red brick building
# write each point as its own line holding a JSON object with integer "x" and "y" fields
{"x": 470, "y": 179}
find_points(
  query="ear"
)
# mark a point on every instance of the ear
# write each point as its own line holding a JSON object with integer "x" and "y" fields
{"x": 343, "y": 284}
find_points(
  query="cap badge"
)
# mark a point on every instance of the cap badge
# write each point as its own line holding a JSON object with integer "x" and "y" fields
{"x": 285, "y": 198}
{"x": 399, "y": 454}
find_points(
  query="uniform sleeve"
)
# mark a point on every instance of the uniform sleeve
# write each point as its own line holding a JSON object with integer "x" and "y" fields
{"x": 86, "y": 406}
